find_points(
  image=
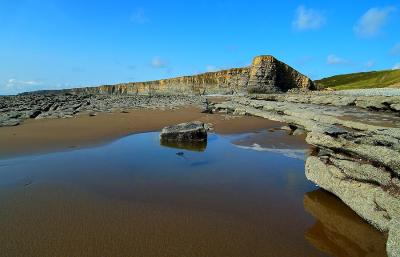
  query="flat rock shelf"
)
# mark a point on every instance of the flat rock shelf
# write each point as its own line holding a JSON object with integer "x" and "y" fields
{"x": 357, "y": 147}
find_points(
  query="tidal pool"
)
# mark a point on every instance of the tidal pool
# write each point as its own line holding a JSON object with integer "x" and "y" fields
{"x": 238, "y": 195}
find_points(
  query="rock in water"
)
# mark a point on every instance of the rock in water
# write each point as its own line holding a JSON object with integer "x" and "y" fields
{"x": 185, "y": 132}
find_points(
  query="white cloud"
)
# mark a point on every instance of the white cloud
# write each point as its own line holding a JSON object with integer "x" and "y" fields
{"x": 395, "y": 49}
{"x": 307, "y": 19}
{"x": 396, "y": 66}
{"x": 371, "y": 23}
{"x": 16, "y": 83}
{"x": 335, "y": 60}
{"x": 369, "y": 64}
{"x": 211, "y": 68}
{"x": 14, "y": 86}
{"x": 158, "y": 63}
{"x": 139, "y": 16}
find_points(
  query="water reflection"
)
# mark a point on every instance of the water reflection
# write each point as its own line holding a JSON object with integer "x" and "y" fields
{"x": 338, "y": 230}
{"x": 196, "y": 146}
{"x": 134, "y": 197}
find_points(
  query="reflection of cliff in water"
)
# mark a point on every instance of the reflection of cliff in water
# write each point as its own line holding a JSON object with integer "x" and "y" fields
{"x": 196, "y": 146}
{"x": 338, "y": 230}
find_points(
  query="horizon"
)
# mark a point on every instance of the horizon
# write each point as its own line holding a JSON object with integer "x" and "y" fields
{"x": 49, "y": 45}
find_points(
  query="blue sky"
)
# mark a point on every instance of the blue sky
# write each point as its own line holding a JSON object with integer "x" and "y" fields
{"x": 62, "y": 44}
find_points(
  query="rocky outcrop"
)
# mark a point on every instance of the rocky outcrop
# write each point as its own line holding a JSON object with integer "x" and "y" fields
{"x": 265, "y": 75}
{"x": 268, "y": 75}
{"x": 373, "y": 103}
{"x": 16, "y": 109}
{"x": 356, "y": 155}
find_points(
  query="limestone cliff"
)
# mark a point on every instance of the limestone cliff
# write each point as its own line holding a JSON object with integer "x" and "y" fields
{"x": 265, "y": 75}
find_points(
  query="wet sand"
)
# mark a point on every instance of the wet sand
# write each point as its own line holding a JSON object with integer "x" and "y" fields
{"x": 133, "y": 197}
{"x": 47, "y": 135}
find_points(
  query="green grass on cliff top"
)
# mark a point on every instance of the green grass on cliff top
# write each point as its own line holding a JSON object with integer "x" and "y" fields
{"x": 373, "y": 79}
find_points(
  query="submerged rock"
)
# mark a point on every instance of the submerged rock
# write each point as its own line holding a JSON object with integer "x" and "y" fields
{"x": 185, "y": 132}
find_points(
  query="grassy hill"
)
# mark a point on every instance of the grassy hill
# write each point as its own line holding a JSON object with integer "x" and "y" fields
{"x": 371, "y": 79}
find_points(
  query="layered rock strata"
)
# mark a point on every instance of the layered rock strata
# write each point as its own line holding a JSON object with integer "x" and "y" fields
{"x": 356, "y": 157}
{"x": 373, "y": 103}
{"x": 265, "y": 75}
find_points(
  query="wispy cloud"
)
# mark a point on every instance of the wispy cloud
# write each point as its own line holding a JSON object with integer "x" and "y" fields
{"x": 158, "y": 63}
{"x": 308, "y": 19}
{"x": 139, "y": 16}
{"x": 335, "y": 60}
{"x": 370, "y": 24}
{"x": 211, "y": 68}
{"x": 395, "y": 49}
{"x": 14, "y": 82}
{"x": 369, "y": 64}
{"x": 396, "y": 66}
{"x": 304, "y": 60}
{"x": 13, "y": 86}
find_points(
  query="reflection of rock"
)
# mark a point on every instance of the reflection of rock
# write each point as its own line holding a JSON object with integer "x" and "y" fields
{"x": 338, "y": 230}
{"x": 198, "y": 146}
{"x": 185, "y": 132}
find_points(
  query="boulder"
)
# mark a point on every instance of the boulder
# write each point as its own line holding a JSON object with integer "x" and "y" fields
{"x": 185, "y": 132}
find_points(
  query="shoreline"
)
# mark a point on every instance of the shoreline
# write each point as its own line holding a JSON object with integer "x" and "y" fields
{"x": 81, "y": 131}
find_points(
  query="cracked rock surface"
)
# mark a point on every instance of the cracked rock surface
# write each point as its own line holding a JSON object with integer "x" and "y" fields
{"x": 15, "y": 109}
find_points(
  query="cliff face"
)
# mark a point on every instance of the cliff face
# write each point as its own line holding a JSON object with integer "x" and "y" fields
{"x": 265, "y": 75}
{"x": 268, "y": 75}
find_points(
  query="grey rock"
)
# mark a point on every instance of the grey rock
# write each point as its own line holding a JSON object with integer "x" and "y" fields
{"x": 299, "y": 132}
{"x": 393, "y": 243}
{"x": 10, "y": 122}
{"x": 61, "y": 105}
{"x": 190, "y": 131}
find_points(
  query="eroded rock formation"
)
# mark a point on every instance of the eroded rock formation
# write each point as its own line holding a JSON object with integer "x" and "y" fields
{"x": 265, "y": 75}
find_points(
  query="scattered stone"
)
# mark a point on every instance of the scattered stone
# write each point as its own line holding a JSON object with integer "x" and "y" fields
{"x": 17, "y": 108}
{"x": 209, "y": 126}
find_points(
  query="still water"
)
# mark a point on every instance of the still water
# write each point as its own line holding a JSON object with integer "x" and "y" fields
{"x": 238, "y": 195}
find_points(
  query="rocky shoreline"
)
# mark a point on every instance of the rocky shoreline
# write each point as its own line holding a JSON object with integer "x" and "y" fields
{"x": 357, "y": 148}
{"x": 15, "y": 109}
{"x": 356, "y": 138}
